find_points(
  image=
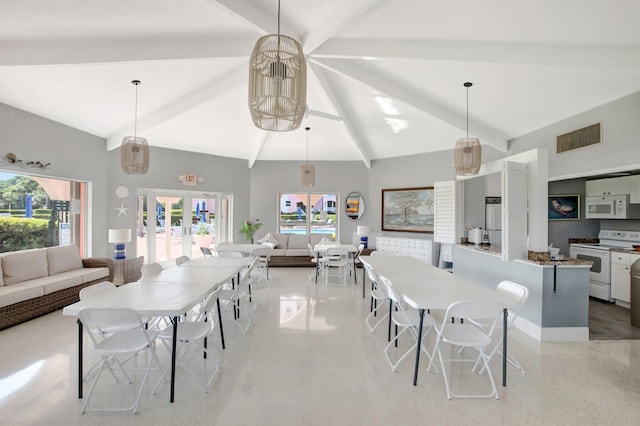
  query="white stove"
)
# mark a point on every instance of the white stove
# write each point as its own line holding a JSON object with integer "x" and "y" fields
{"x": 599, "y": 254}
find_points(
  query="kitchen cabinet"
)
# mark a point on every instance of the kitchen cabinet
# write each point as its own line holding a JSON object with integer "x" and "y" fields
{"x": 422, "y": 249}
{"x": 620, "y": 276}
{"x": 613, "y": 186}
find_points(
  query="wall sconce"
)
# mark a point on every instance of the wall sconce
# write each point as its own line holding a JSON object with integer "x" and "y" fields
{"x": 188, "y": 179}
{"x": 119, "y": 237}
{"x": 11, "y": 158}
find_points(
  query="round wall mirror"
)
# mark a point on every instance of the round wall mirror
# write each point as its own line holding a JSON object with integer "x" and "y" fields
{"x": 354, "y": 206}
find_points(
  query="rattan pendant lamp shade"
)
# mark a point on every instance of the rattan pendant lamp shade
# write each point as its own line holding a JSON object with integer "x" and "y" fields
{"x": 277, "y": 82}
{"x": 134, "y": 151}
{"x": 307, "y": 175}
{"x": 468, "y": 152}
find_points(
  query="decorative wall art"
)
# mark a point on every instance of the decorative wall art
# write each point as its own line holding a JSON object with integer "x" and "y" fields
{"x": 564, "y": 207}
{"x": 407, "y": 210}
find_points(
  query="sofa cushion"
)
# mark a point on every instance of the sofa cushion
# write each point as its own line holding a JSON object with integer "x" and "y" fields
{"x": 298, "y": 242}
{"x": 11, "y": 294}
{"x": 56, "y": 282}
{"x": 283, "y": 240}
{"x": 24, "y": 265}
{"x": 63, "y": 259}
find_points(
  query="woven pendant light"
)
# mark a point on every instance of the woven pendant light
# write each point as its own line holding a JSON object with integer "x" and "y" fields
{"x": 468, "y": 152}
{"x": 134, "y": 151}
{"x": 307, "y": 175}
{"x": 277, "y": 82}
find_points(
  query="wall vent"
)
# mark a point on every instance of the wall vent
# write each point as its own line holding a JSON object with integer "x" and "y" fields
{"x": 580, "y": 138}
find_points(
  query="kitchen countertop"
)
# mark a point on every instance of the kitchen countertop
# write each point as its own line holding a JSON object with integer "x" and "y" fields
{"x": 487, "y": 248}
{"x": 623, "y": 250}
{"x": 567, "y": 261}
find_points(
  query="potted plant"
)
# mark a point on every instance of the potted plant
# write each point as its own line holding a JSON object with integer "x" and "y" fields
{"x": 249, "y": 229}
{"x": 203, "y": 237}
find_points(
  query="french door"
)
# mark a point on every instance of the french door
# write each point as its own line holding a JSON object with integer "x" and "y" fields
{"x": 177, "y": 223}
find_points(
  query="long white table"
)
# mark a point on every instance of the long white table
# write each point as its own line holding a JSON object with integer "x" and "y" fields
{"x": 245, "y": 249}
{"x": 179, "y": 290}
{"x": 423, "y": 287}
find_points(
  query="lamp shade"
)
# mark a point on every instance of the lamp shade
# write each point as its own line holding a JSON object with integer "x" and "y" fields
{"x": 363, "y": 231}
{"x": 468, "y": 157}
{"x": 134, "y": 155}
{"x": 277, "y": 83}
{"x": 119, "y": 235}
{"x": 307, "y": 176}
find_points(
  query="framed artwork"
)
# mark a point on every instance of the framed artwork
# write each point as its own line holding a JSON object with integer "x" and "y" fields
{"x": 564, "y": 207}
{"x": 408, "y": 210}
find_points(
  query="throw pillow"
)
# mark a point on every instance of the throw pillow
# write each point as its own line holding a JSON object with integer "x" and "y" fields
{"x": 269, "y": 238}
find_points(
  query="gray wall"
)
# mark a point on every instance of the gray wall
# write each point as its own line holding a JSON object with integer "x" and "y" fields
{"x": 561, "y": 230}
{"x": 268, "y": 178}
{"x": 73, "y": 154}
{"x": 220, "y": 174}
{"x": 619, "y": 148}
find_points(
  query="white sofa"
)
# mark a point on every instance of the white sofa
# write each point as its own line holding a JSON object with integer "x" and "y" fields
{"x": 292, "y": 250}
{"x": 38, "y": 281}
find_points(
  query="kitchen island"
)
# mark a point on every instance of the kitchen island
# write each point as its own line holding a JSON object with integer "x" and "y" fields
{"x": 558, "y": 305}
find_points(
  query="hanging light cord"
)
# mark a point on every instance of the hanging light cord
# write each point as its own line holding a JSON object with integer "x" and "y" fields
{"x": 278, "y": 19}
{"x": 467, "y": 112}
{"x": 135, "y": 116}
{"x": 307, "y": 129}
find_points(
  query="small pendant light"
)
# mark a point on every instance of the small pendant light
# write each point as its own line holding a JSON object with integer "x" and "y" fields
{"x": 468, "y": 152}
{"x": 307, "y": 176}
{"x": 277, "y": 82}
{"x": 134, "y": 151}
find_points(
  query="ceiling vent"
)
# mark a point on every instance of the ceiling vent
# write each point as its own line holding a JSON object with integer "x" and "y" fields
{"x": 590, "y": 135}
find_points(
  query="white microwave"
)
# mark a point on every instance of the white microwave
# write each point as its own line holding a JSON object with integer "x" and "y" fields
{"x": 608, "y": 207}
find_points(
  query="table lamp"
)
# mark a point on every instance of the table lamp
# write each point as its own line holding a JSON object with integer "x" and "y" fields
{"x": 119, "y": 237}
{"x": 363, "y": 231}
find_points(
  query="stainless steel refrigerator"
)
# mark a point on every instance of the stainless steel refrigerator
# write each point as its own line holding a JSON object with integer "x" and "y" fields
{"x": 493, "y": 220}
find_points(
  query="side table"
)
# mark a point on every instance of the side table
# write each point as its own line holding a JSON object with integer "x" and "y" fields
{"x": 127, "y": 270}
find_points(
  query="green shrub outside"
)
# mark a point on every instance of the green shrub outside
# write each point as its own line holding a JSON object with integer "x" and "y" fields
{"x": 21, "y": 234}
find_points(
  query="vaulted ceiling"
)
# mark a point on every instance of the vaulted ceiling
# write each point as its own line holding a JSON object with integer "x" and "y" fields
{"x": 392, "y": 70}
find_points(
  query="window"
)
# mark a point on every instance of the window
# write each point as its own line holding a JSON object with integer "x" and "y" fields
{"x": 308, "y": 213}
{"x": 38, "y": 212}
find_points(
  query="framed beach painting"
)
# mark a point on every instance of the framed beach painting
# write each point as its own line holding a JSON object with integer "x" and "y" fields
{"x": 564, "y": 207}
{"x": 408, "y": 210}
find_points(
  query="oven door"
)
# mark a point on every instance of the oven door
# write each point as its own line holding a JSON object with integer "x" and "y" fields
{"x": 600, "y": 271}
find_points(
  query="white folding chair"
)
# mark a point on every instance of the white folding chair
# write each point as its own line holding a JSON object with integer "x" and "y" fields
{"x": 337, "y": 259}
{"x": 206, "y": 251}
{"x": 123, "y": 343}
{"x": 151, "y": 269}
{"x": 466, "y": 334}
{"x": 182, "y": 259}
{"x": 198, "y": 330}
{"x": 318, "y": 261}
{"x": 518, "y": 294}
{"x": 406, "y": 320}
{"x": 379, "y": 299}
{"x": 263, "y": 254}
{"x": 232, "y": 295}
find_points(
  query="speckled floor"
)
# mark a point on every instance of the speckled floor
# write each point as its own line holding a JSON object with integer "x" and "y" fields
{"x": 309, "y": 359}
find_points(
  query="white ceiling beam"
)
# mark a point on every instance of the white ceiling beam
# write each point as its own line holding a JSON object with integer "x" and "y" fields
{"x": 352, "y": 130}
{"x": 130, "y": 50}
{"x": 410, "y": 96}
{"x": 339, "y": 18}
{"x": 179, "y": 106}
{"x": 617, "y": 57}
{"x": 261, "y": 138}
{"x": 248, "y": 13}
